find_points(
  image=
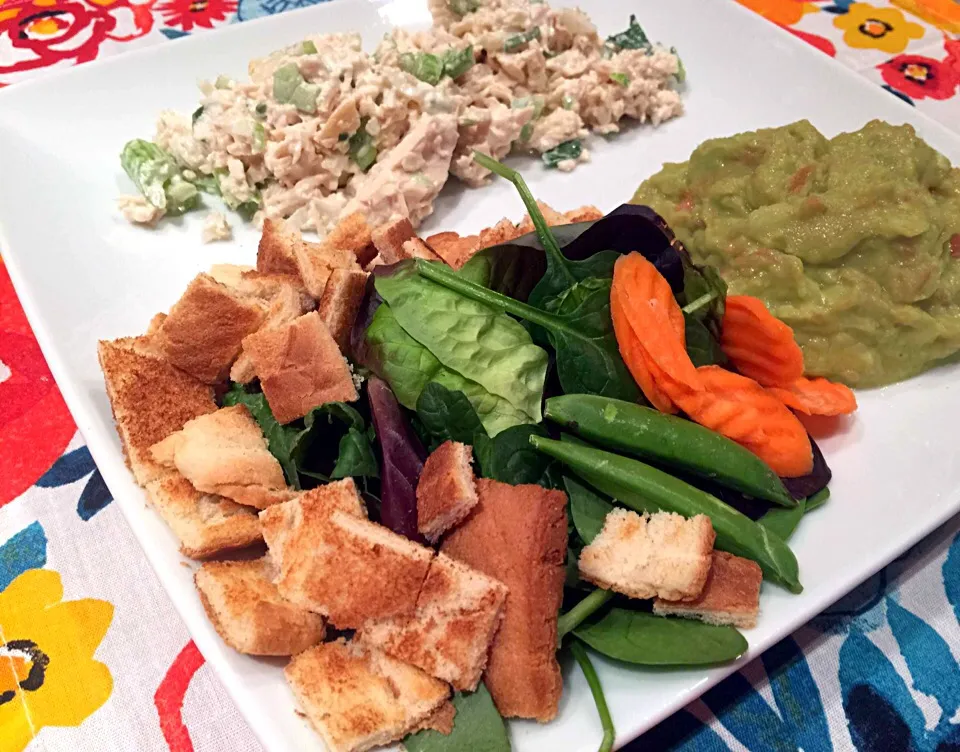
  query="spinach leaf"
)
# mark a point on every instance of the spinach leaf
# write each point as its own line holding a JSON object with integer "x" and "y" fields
{"x": 588, "y": 358}
{"x": 447, "y": 415}
{"x": 704, "y": 295}
{"x": 567, "y": 150}
{"x": 477, "y": 726}
{"x": 648, "y": 640}
{"x": 468, "y": 336}
{"x": 355, "y": 458}
{"x": 634, "y": 38}
{"x": 300, "y": 447}
{"x": 509, "y": 458}
{"x": 398, "y": 358}
{"x": 409, "y": 367}
{"x": 702, "y": 347}
{"x": 587, "y": 508}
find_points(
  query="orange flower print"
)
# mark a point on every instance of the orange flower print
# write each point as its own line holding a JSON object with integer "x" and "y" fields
{"x": 867, "y": 26}
{"x": 783, "y": 12}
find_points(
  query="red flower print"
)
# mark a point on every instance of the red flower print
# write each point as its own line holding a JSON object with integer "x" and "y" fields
{"x": 185, "y": 14}
{"x": 41, "y": 33}
{"x": 35, "y": 425}
{"x": 920, "y": 77}
{"x": 821, "y": 43}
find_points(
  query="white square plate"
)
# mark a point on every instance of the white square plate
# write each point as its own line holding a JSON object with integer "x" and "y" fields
{"x": 83, "y": 274}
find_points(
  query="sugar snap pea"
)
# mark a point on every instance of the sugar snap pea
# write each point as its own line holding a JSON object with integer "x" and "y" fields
{"x": 647, "y": 489}
{"x": 783, "y": 522}
{"x": 649, "y": 434}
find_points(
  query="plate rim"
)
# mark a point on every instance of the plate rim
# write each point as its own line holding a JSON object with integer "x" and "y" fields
{"x": 207, "y": 640}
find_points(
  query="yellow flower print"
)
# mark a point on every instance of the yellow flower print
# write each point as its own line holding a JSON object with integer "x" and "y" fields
{"x": 783, "y": 12}
{"x": 869, "y": 27}
{"x": 47, "y": 673}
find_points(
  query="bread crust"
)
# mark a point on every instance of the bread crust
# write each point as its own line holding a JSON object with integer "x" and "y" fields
{"x": 518, "y": 535}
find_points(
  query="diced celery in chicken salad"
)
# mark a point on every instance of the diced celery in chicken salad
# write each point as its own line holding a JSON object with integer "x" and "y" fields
{"x": 322, "y": 128}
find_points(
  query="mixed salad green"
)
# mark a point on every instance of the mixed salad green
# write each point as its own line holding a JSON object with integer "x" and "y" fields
{"x": 515, "y": 355}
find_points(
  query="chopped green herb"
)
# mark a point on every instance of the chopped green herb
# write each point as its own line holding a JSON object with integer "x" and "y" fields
{"x": 457, "y": 62}
{"x": 247, "y": 209}
{"x": 223, "y": 82}
{"x": 259, "y": 138}
{"x": 343, "y": 137}
{"x": 567, "y": 150}
{"x": 261, "y": 109}
{"x": 633, "y": 38}
{"x": 460, "y": 8}
{"x": 361, "y": 148}
{"x": 286, "y": 79}
{"x": 196, "y": 115}
{"x": 567, "y": 102}
{"x": 514, "y": 43}
{"x": 681, "y": 73}
{"x": 536, "y": 101}
{"x": 620, "y": 78}
{"x": 305, "y": 97}
{"x": 526, "y": 132}
{"x": 308, "y": 48}
{"x": 428, "y": 68}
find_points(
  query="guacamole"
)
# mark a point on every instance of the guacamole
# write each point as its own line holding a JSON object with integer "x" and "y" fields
{"x": 848, "y": 240}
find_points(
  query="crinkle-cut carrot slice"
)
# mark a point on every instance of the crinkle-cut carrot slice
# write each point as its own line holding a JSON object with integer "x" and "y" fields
{"x": 742, "y": 410}
{"x": 760, "y": 345}
{"x": 635, "y": 359}
{"x": 816, "y": 397}
{"x": 647, "y": 301}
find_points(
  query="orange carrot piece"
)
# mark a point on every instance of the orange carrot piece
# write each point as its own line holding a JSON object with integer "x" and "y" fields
{"x": 647, "y": 301}
{"x": 635, "y": 359}
{"x": 742, "y": 410}
{"x": 760, "y": 345}
{"x": 816, "y": 397}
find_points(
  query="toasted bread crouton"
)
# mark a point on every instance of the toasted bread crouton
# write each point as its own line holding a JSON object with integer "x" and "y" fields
{"x": 150, "y": 400}
{"x": 458, "y": 612}
{"x": 340, "y": 303}
{"x": 205, "y": 524}
{"x": 416, "y": 248}
{"x": 358, "y": 698}
{"x": 454, "y": 250}
{"x": 389, "y": 238}
{"x": 299, "y": 366}
{"x": 335, "y": 562}
{"x": 155, "y": 323}
{"x": 286, "y": 305}
{"x": 248, "y": 612}
{"x": 280, "y": 521}
{"x": 203, "y": 332}
{"x": 352, "y": 233}
{"x": 552, "y": 217}
{"x": 586, "y": 213}
{"x": 730, "y": 596}
{"x": 522, "y": 674}
{"x": 225, "y": 453}
{"x": 502, "y": 232}
{"x": 446, "y": 493}
{"x": 275, "y": 252}
{"x": 645, "y": 556}
{"x": 442, "y": 720}
{"x": 230, "y": 275}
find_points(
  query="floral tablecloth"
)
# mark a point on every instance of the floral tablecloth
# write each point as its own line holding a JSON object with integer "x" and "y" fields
{"x": 109, "y": 665}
